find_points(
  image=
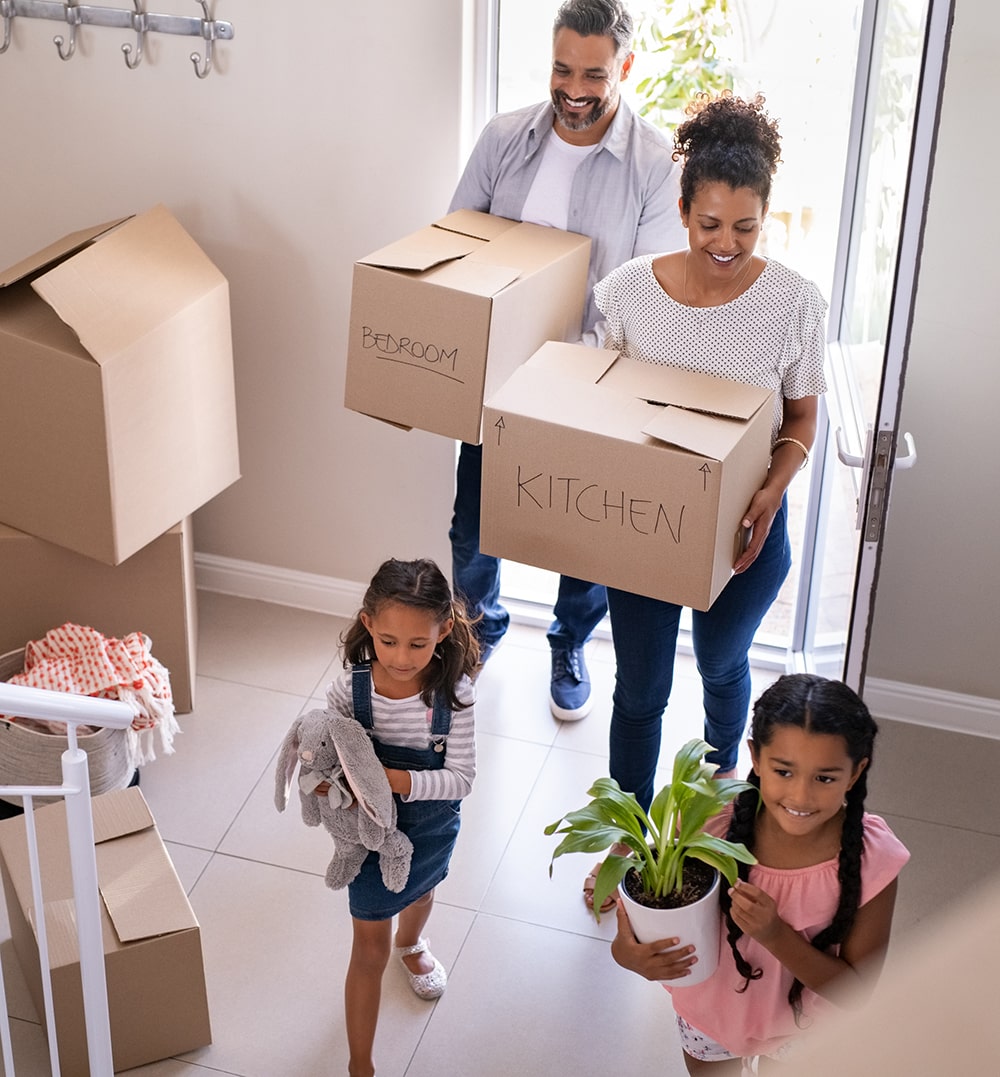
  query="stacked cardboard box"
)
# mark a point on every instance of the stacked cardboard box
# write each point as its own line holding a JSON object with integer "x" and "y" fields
{"x": 157, "y": 997}
{"x": 118, "y": 411}
{"x": 43, "y": 585}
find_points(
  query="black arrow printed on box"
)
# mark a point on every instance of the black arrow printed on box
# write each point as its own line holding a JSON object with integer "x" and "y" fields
{"x": 500, "y": 425}
{"x": 705, "y": 470}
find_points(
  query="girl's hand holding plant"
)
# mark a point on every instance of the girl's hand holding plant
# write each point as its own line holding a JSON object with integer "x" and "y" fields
{"x": 755, "y": 913}
{"x": 662, "y": 960}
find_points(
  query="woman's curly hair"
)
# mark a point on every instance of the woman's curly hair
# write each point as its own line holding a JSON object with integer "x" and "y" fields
{"x": 726, "y": 139}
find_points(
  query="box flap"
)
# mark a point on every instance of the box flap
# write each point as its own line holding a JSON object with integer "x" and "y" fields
{"x": 574, "y": 360}
{"x": 54, "y": 251}
{"x": 474, "y": 278}
{"x": 135, "y": 279}
{"x": 568, "y": 373}
{"x": 140, "y": 888}
{"x": 422, "y": 250}
{"x": 470, "y": 222}
{"x": 686, "y": 389}
{"x": 120, "y": 812}
{"x": 707, "y": 435}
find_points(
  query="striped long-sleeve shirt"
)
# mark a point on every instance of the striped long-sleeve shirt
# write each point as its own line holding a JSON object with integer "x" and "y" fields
{"x": 406, "y": 723}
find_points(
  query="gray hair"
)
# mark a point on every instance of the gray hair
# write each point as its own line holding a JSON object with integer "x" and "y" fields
{"x": 607, "y": 18}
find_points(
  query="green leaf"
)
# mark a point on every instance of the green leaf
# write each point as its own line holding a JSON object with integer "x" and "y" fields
{"x": 688, "y": 760}
{"x": 613, "y": 869}
{"x": 721, "y": 854}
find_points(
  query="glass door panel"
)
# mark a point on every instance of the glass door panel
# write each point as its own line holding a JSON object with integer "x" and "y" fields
{"x": 897, "y": 136}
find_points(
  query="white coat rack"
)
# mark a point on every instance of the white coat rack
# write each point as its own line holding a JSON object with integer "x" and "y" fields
{"x": 141, "y": 22}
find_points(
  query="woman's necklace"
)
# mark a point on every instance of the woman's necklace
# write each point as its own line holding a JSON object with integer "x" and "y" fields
{"x": 736, "y": 287}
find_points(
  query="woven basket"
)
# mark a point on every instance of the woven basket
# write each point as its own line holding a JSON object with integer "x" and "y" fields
{"x": 28, "y": 757}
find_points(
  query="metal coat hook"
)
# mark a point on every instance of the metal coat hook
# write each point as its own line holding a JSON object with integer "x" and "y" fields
{"x": 7, "y": 11}
{"x": 75, "y": 13}
{"x": 139, "y": 25}
{"x": 73, "y": 18}
{"x": 208, "y": 32}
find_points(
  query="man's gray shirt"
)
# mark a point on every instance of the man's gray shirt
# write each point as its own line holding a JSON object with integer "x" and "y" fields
{"x": 624, "y": 194}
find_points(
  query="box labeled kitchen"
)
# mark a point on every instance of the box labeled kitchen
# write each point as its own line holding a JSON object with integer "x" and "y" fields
{"x": 624, "y": 473}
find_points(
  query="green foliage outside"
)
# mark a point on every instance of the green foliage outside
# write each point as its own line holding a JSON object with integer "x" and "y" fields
{"x": 686, "y": 42}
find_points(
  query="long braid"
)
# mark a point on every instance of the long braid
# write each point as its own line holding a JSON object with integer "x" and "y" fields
{"x": 742, "y": 828}
{"x": 825, "y": 707}
{"x": 849, "y": 875}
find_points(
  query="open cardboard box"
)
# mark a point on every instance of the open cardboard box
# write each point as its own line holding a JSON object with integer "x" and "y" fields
{"x": 157, "y": 998}
{"x": 43, "y": 586}
{"x": 623, "y": 473}
{"x": 441, "y": 318}
{"x": 117, "y": 397}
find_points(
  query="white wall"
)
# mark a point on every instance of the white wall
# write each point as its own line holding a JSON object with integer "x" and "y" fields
{"x": 329, "y": 129}
{"x": 937, "y": 610}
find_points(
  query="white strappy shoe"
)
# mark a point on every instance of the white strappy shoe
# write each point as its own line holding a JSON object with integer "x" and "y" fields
{"x": 427, "y": 985}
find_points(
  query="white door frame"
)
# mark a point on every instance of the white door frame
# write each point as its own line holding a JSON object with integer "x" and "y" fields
{"x": 880, "y": 454}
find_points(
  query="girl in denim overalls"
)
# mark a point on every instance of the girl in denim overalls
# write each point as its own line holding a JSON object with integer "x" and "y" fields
{"x": 409, "y": 658}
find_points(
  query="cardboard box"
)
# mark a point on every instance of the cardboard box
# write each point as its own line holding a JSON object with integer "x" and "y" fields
{"x": 117, "y": 399}
{"x": 157, "y": 998}
{"x": 43, "y": 586}
{"x": 440, "y": 319}
{"x": 624, "y": 473}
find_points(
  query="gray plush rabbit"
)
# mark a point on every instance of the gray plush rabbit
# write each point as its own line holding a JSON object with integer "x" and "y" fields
{"x": 359, "y": 812}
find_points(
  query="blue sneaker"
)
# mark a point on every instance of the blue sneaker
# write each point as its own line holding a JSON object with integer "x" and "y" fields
{"x": 569, "y": 693}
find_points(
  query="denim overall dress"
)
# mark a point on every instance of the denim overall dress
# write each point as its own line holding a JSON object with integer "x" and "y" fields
{"x": 432, "y": 825}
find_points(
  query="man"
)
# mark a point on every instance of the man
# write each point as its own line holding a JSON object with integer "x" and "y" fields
{"x": 583, "y": 162}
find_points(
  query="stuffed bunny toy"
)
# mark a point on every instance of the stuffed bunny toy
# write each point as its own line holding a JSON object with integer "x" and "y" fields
{"x": 359, "y": 812}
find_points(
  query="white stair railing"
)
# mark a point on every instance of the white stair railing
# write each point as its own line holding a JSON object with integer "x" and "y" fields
{"x": 75, "y": 789}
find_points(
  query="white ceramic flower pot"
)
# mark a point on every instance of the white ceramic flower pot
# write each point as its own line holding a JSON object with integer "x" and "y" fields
{"x": 699, "y": 925}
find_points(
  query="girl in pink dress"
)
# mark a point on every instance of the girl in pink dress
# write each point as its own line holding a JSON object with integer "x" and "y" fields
{"x": 812, "y": 917}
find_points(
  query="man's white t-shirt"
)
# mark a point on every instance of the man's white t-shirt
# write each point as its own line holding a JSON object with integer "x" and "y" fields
{"x": 548, "y": 200}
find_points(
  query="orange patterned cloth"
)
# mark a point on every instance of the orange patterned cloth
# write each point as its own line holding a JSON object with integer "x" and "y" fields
{"x": 78, "y": 659}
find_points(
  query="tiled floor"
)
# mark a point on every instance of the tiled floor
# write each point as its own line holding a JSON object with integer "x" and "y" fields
{"x": 532, "y": 987}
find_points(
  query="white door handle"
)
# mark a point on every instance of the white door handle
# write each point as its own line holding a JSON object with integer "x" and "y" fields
{"x": 843, "y": 455}
{"x": 901, "y": 463}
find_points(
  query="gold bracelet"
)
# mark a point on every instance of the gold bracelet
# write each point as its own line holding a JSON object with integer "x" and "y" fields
{"x": 792, "y": 441}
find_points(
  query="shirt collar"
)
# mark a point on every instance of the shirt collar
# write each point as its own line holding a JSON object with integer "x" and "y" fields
{"x": 615, "y": 139}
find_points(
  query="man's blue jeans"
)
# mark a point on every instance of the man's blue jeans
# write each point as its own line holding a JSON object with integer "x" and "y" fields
{"x": 579, "y": 606}
{"x": 645, "y": 639}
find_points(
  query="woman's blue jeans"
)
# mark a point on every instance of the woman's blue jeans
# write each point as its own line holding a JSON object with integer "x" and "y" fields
{"x": 645, "y": 640}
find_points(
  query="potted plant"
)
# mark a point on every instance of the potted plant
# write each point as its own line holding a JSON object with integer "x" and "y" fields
{"x": 669, "y": 879}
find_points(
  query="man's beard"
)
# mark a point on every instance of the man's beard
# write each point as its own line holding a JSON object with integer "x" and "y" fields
{"x": 578, "y": 121}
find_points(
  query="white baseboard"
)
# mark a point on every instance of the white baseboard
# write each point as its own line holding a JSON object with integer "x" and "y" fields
{"x": 284, "y": 587}
{"x": 342, "y": 598}
{"x": 931, "y": 707}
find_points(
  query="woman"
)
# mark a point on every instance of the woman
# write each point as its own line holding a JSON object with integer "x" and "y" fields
{"x": 720, "y": 309}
